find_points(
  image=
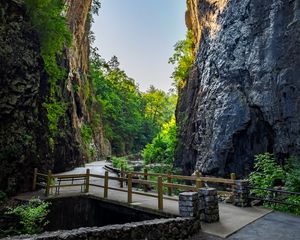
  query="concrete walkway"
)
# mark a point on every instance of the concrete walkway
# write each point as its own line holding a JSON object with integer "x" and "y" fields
{"x": 231, "y": 218}
{"x": 274, "y": 226}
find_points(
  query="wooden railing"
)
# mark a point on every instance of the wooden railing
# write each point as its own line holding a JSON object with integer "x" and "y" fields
{"x": 162, "y": 182}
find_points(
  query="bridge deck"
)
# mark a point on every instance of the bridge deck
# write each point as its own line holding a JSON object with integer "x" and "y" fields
{"x": 231, "y": 218}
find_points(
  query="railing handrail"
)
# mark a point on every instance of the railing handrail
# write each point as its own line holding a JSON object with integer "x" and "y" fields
{"x": 183, "y": 177}
{"x": 274, "y": 190}
{"x": 126, "y": 177}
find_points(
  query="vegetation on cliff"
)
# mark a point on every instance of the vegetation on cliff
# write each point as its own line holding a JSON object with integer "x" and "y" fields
{"x": 47, "y": 19}
{"x": 183, "y": 59}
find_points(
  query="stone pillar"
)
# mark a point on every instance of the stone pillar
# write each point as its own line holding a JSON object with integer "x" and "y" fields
{"x": 201, "y": 205}
{"x": 208, "y": 205}
{"x": 188, "y": 204}
{"x": 241, "y": 193}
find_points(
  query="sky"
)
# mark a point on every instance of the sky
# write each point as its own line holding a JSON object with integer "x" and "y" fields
{"x": 141, "y": 33}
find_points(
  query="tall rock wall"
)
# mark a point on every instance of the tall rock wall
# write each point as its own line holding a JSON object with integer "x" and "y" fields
{"x": 25, "y": 138}
{"x": 242, "y": 95}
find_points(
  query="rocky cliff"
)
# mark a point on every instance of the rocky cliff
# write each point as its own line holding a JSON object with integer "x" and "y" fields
{"x": 26, "y": 140}
{"x": 242, "y": 95}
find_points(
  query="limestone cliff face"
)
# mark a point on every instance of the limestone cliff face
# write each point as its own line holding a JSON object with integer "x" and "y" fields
{"x": 242, "y": 95}
{"x": 24, "y": 131}
{"x": 23, "y": 138}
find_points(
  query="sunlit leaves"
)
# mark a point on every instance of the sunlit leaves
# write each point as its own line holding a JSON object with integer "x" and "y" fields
{"x": 183, "y": 59}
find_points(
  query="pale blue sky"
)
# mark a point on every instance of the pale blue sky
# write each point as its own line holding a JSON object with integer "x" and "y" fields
{"x": 141, "y": 33}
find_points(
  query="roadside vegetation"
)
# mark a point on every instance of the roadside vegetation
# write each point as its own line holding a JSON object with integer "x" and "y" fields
{"x": 269, "y": 174}
{"x": 29, "y": 218}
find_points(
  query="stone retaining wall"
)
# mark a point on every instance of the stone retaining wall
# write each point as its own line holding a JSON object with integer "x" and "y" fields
{"x": 172, "y": 228}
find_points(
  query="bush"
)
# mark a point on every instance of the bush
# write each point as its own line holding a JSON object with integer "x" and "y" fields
{"x": 293, "y": 175}
{"x": 32, "y": 215}
{"x": 269, "y": 174}
{"x": 121, "y": 162}
{"x": 266, "y": 173}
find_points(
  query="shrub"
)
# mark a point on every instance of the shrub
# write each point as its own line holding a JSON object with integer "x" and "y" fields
{"x": 268, "y": 174}
{"x": 293, "y": 175}
{"x": 121, "y": 162}
{"x": 32, "y": 215}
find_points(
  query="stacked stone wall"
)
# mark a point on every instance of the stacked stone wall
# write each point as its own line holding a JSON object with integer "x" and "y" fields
{"x": 173, "y": 228}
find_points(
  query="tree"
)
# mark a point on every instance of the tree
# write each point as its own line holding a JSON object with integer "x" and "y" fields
{"x": 131, "y": 118}
{"x": 183, "y": 59}
{"x": 161, "y": 149}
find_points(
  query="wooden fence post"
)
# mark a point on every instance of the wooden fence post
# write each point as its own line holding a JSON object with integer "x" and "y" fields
{"x": 160, "y": 193}
{"x": 232, "y": 177}
{"x": 49, "y": 178}
{"x": 122, "y": 176}
{"x": 169, "y": 188}
{"x": 199, "y": 183}
{"x": 129, "y": 184}
{"x": 87, "y": 181}
{"x": 145, "y": 178}
{"x": 106, "y": 184}
{"x": 35, "y": 171}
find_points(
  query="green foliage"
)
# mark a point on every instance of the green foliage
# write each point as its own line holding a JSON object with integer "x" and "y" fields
{"x": 121, "y": 162}
{"x": 55, "y": 110}
{"x": 162, "y": 148}
{"x": 294, "y": 199}
{"x": 86, "y": 133}
{"x": 46, "y": 17}
{"x": 183, "y": 59}
{"x": 159, "y": 106}
{"x": 87, "y": 137}
{"x": 32, "y": 215}
{"x": 131, "y": 119}
{"x": 52, "y": 29}
{"x": 293, "y": 175}
{"x": 96, "y": 5}
{"x": 3, "y": 196}
{"x": 268, "y": 174}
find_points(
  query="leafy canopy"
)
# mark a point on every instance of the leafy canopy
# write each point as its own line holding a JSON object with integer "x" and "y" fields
{"x": 131, "y": 118}
{"x": 183, "y": 59}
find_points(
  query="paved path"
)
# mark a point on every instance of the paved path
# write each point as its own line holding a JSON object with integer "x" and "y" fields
{"x": 274, "y": 226}
{"x": 231, "y": 218}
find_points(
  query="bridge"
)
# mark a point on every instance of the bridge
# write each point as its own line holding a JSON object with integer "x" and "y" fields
{"x": 151, "y": 191}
